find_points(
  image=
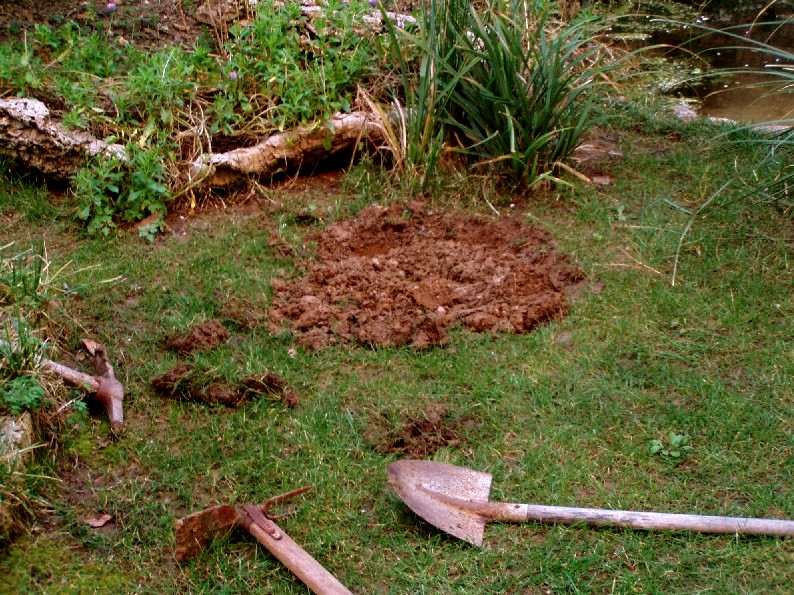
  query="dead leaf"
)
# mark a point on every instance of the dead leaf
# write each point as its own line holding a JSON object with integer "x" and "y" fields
{"x": 90, "y": 346}
{"x": 100, "y": 522}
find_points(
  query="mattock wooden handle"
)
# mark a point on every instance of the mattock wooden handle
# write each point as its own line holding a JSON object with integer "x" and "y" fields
{"x": 290, "y": 554}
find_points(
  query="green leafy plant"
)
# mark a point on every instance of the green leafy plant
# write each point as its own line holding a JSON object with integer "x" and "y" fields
{"x": 19, "y": 394}
{"x": 504, "y": 82}
{"x": 523, "y": 99}
{"x": 674, "y": 449}
{"x": 110, "y": 189}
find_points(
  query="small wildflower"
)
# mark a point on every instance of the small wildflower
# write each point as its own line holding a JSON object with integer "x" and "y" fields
{"x": 111, "y": 6}
{"x": 233, "y": 75}
{"x": 373, "y": 3}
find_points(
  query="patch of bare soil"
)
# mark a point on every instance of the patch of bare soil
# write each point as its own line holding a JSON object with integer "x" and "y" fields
{"x": 404, "y": 275}
{"x": 185, "y": 382}
{"x": 203, "y": 337}
{"x": 421, "y": 437}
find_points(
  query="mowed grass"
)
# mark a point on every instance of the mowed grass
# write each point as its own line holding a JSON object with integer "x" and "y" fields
{"x": 562, "y": 416}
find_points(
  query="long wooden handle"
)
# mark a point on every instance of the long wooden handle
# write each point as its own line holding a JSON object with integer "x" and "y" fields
{"x": 522, "y": 513}
{"x": 294, "y": 557}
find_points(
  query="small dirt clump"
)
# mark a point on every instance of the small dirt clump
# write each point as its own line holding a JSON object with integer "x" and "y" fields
{"x": 402, "y": 275}
{"x": 204, "y": 337}
{"x": 270, "y": 385}
{"x": 422, "y": 436}
{"x": 186, "y": 383}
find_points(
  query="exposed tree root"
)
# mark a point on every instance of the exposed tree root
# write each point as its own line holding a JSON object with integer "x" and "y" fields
{"x": 290, "y": 150}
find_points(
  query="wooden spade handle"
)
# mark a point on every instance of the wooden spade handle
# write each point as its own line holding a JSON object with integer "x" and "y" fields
{"x": 522, "y": 513}
{"x": 294, "y": 557}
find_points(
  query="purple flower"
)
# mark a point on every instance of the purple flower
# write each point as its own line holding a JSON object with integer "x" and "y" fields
{"x": 373, "y": 3}
{"x": 111, "y": 6}
{"x": 233, "y": 75}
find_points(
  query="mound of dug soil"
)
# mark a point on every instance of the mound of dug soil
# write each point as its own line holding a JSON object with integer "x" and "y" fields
{"x": 402, "y": 275}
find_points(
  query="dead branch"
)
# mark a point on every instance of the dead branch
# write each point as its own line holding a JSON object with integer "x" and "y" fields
{"x": 32, "y": 138}
{"x": 289, "y": 150}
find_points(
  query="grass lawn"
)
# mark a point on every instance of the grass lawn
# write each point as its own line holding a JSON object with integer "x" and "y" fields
{"x": 666, "y": 386}
{"x": 565, "y": 415}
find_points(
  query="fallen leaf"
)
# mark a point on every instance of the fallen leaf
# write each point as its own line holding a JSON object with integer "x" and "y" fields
{"x": 100, "y": 522}
{"x": 90, "y": 346}
{"x": 596, "y": 288}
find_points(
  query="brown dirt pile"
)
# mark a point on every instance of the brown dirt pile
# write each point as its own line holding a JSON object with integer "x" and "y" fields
{"x": 203, "y": 337}
{"x": 404, "y": 276}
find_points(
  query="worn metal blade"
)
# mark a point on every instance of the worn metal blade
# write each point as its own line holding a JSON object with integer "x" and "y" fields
{"x": 196, "y": 530}
{"x": 428, "y": 488}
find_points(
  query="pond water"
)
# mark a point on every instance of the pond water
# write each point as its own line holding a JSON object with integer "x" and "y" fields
{"x": 746, "y": 95}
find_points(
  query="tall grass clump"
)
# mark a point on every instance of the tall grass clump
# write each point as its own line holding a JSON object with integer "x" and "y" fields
{"x": 524, "y": 99}
{"x": 414, "y": 127}
{"x": 503, "y": 81}
{"x": 21, "y": 287}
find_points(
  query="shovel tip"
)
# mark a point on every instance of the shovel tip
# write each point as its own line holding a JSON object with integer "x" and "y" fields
{"x": 444, "y": 495}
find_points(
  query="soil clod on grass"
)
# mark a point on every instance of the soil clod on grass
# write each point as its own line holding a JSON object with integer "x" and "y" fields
{"x": 185, "y": 382}
{"x": 204, "y": 337}
{"x": 405, "y": 276}
{"x": 423, "y": 435}
{"x": 270, "y": 385}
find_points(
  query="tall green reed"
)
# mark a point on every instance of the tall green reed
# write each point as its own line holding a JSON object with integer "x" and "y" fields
{"x": 503, "y": 82}
{"x": 525, "y": 97}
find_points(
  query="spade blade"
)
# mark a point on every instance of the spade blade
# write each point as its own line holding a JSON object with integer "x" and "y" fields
{"x": 438, "y": 492}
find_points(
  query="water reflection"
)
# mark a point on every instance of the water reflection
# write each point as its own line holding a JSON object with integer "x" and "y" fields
{"x": 754, "y": 91}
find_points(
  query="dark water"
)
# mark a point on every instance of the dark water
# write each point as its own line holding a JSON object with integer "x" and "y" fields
{"x": 747, "y": 94}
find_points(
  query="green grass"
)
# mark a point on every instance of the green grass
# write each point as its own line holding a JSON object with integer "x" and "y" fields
{"x": 564, "y": 415}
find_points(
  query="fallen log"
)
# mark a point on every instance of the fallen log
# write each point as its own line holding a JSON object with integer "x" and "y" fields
{"x": 289, "y": 150}
{"x": 31, "y": 137}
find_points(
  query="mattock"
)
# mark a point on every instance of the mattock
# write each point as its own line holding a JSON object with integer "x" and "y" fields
{"x": 196, "y": 530}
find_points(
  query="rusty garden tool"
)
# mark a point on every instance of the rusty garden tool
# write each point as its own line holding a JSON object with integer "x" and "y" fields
{"x": 455, "y": 500}
{"x": 196, "y": 530}
{"x": 106, "y": 389}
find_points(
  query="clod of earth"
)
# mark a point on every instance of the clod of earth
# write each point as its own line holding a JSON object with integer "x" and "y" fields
{"x": 421, "y": 436}
{"x": 204, "y": 337}
{"x": 402, "y": 275}
{"x": 184, "y": 382}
